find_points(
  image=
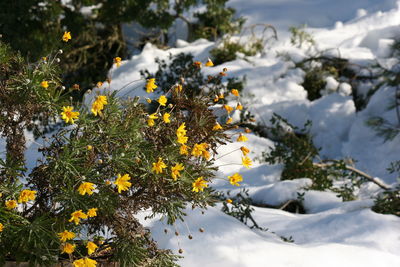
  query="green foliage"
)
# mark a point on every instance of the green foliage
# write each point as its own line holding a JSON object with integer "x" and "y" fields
{"x": 215, "y": 21}
{"x": 294, "y": 149}
{"x": 388, "y": 202}
{"x": 35, "y": 29}
{"x": 181, "y": 68}
{"x": 300, "y": 37}
{"x": 106, "y": 143}
{"x": 390, "y": 77}
{"x": 227, "y": 52}
{"x": 241, "y": 208}
{"x": 249, "y": 46}
{"x": 318, "y": 68}
{"x": 21, "y": 93}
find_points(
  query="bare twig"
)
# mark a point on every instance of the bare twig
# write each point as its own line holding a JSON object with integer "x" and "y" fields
{"x": 359, "y": 172}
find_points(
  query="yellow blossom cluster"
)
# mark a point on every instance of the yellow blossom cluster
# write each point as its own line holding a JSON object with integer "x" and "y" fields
{"x": 201, "y": 150}
{"x": 181, "y": 134}
{"x": 151, "y": 85}
{"x": 98, "y": 105}
{"x": 26, "y": 195}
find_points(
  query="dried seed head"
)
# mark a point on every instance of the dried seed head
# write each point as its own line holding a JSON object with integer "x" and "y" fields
{"x": 180, "y": 251}
{"x": 60, "y": 51}
{"x": 165, "y": 231}
{"x": 201, "y": 230}
{"x": 190, "y": 237}
{"x": 176, "y": 233}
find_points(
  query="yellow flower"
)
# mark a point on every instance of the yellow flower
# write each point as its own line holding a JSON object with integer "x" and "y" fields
{"x": 102, "y": 99}
{"x": 247, "y": 130}
{"x": 183, "y": 150}
{"x": 68, "y": 248}
{"x": 239, "y": 106}
{"x": 98, "y": 104}
{"x": 91, "y": 247}
{"x": 209, "y": 63}
{"x": 162, "y": 100}
{"x": 175, "y": 171}
{"x": 92, "y": 212}
{"x": 242, "y": 138}
{"x": 99, "y": 84}
{"x": 148, "y": 100}
{"x": 197, "y": 150}
{"x": 228, "y": 108}
{"x": 117, "y": 61}
{"x": 122, "y": 182}
{"x": 246, "y": 161}
{"x": 166, "y": 117}
{"x": 89, "y": 147}
{"x": 68, "y": 115}
{"x": 44, "y": 84}
{"x": 150, "y": 86}
{"x": 229, "y": 120}
{"x": 217, "y": 127}
{"x": 245, "y": 150}
{"x": 206, "y": 154}
{"x": 235, "y": 92}
{"x": 150, "y": 122}
{"x": 86, "y": 188}
{"x": 11, "y": 204}
{"x": 97, "y": 108}
{"x": 235, "y": 179}
{"x": 66, "y": 37}
{"x": 182, "y": 139}
{"x": 181, "y": 134}
{"x": 1, "y": 227}
{"x": 229, "y": 201}
{"x": 76, "y": 216}
{"x": 221, "y": 96}
{"x": 216, "y": 98}
{"x": 159, "y": 166}
{"x": 85, "y": 262}
{"x": 181, "y": 130}
{"x": 178, "y": 88}
{"x": 151, "y": 118}
{"x": 26, "y": 195}
{"x": 199, "y": 184}
{"x": 64, "y": 236}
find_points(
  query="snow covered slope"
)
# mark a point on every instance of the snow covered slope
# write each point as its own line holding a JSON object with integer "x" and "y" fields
{"x": 332, "y": 233}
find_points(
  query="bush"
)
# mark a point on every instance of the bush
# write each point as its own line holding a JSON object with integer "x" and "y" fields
{"x": 34, "y": 27}
{"x": 388, "y": 202}
{"x": 229, "y": 48}
{"x": 181, "y": 68}
{"x": 109, "y": 162}
{"x": 294, "y": 148}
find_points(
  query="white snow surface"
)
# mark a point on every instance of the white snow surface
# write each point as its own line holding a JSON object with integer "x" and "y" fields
{"x": 332, "y": 233}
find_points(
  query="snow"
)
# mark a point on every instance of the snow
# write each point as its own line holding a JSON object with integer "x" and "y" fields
{"x": 332, "y": 233}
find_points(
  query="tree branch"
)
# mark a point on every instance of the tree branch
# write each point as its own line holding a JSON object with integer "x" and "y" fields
{"x": 359, "y": 172}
